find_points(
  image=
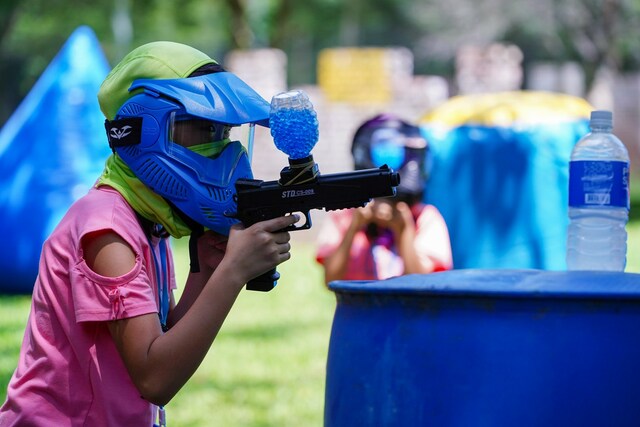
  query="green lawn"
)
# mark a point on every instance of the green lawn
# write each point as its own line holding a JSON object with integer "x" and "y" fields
{"x": 267, "y": 367}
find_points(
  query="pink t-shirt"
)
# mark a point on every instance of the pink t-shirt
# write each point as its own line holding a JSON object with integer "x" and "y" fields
{"x": 70, "y": 372}
{"x": 377, "y": 258}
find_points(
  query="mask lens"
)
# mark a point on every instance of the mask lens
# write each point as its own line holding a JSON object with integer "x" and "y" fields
{"x": 387, "y": 147}
{"x": 189, "y": 131}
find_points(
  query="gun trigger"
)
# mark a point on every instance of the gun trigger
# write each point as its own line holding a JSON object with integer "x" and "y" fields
{"x": 305, "y": 226}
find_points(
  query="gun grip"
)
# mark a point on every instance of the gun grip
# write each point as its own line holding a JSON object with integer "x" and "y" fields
{"x": 264, "y": 282}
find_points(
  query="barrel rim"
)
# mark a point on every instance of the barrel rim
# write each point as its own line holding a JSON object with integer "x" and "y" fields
{"x": 513, "y": 283}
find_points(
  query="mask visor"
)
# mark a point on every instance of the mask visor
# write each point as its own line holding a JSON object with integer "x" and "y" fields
{"x": 190, "y": 131}
{"x": 195, "y": 145}
{"x": 387, "y": 147}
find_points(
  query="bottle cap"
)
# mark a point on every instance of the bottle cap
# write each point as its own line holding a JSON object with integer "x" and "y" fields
{"x": 601, "y": 118}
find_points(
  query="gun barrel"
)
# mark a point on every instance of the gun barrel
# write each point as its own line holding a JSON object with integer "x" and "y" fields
{"x": 260, "y": 200}
{"x": 380, "y": 182}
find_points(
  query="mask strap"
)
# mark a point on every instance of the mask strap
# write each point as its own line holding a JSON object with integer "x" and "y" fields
{"x": 151, "y": 230}
{"x": 194, "y": 261}
{"x": 197, "y": 230}
{"x": 163, "y": 280}
{"x": 123, "y": 132}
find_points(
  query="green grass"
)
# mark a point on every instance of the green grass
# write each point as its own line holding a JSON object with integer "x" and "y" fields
{"x": 13, "y": 317}
{"x": 267, "y": 366}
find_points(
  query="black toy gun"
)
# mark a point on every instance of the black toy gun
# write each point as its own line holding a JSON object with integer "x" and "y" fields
{"x": 294, "y": 127}
{"x": 301, "y": 188}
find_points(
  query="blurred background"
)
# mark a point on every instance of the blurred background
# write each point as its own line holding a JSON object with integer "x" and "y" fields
{"x": 434, "y": 62}
{"x": 356, "y": 58}
{"x": 360, "y": 57}
{"x": 431, "y": 49}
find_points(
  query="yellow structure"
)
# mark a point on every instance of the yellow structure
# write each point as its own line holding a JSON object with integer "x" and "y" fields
{"x": 356, "y": 75}
{"x": 508, "y": 109}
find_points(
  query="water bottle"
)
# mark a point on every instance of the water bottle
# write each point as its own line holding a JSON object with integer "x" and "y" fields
{"x": 598, "y": 199}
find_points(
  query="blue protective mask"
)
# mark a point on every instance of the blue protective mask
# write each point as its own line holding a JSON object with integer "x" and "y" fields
{"x": 200, "y": 186}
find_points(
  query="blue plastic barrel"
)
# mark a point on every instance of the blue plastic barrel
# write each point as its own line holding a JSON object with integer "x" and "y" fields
{"x": 499, "y": 348}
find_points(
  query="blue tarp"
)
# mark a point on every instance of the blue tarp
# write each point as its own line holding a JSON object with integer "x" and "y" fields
{"x": 500, "y": 176}
{"x": 52, "y": 149}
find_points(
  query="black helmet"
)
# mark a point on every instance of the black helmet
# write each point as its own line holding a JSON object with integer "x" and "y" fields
{"x": 386, "y": 139}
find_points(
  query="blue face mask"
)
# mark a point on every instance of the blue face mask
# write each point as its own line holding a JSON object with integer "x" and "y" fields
{"x": 201, "y": 186}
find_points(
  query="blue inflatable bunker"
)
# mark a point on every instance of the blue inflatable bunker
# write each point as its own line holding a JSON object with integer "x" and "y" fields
{"x": 500, "y": 175}
{"x": 52, "y": 149}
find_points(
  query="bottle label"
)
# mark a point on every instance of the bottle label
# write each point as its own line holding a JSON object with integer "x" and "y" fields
{"x": 598, "y": 183}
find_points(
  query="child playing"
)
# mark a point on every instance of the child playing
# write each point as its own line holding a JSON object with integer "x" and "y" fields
{"x": 105, "y": 343}
{"x": 390, "y": 236}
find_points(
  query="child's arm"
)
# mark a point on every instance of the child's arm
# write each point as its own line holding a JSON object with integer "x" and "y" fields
{"x": 423, "y": 249}
{"x": 335, "y": 264}
{"x": 160, "y": 364}
{"x": 211, "y": 250}
{"x": 404, "y": 229}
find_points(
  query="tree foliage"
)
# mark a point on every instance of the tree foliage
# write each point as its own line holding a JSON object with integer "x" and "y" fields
{"x": 594, "y": 33}
{"x": 599, "y": 33}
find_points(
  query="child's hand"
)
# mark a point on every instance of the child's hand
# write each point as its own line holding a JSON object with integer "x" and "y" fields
{"x": 259, "y": 248}
{"x": 395, "y": 216}
{"x": 362, "y": 216}
{"x": 402, "y": 218}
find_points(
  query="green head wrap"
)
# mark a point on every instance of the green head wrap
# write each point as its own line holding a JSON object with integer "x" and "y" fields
{"x": 157, "y": 60}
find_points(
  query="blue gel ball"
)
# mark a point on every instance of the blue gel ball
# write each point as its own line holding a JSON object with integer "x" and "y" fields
{"x": 294, "y": 131}
{"x": 293, "y": 123}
